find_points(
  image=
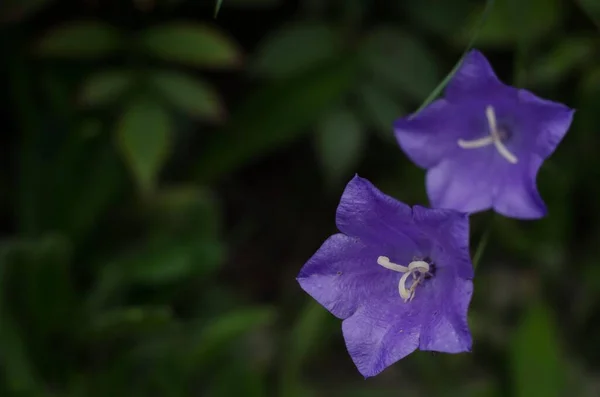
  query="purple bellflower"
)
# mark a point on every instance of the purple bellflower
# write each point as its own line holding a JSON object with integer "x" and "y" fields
{"x": 484, "y": 142}
{"x": 399, "y": 277}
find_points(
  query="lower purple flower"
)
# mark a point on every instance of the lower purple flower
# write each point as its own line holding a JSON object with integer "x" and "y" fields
{"x": 399, "y": 277}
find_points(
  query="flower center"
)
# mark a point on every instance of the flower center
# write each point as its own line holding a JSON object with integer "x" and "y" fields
{"x": 418, "y": 269}
{"x": 495, "y": 137}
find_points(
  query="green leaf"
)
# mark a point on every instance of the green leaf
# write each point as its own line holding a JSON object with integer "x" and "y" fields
{"x": 192, "y": 96}
{"x": 143, "y": 136}
{"x": 400, "y": 61}
{"x": 380, "y": 109}
{"x": 193, "y": 44}
{"x": 514, "y": 21}
{"x": 339, "y": 143}
{"x": 168, "y": 261}
{"x": 224, "y": 330}
{"x": 312, "y": 43}
{"x": 566, "y": 56}
{"x": 80, "y": 40}
{"x": 275, "y": 116}
{"x": 129, "y": 321}
{"x": 535, "y": 358}
{"x": 106, "y": 87}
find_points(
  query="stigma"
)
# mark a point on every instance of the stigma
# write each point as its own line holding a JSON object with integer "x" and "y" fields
{"x": 418, "y": 269}
{"x": 495, "y": 138}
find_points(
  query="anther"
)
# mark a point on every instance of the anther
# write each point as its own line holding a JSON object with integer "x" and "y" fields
{"x": 495, "y": 138}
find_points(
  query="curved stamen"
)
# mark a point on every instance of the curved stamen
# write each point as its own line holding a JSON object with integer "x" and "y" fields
{"x": 494, "y": 137}
{"x": 385, "y": 262}
{"x": 404, "y": 293}
{"x": 417, "y": 269}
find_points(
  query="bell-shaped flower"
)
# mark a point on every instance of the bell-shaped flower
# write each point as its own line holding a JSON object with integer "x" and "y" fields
{"x": 399, "y": 277}
{"x": 484, "y": 142}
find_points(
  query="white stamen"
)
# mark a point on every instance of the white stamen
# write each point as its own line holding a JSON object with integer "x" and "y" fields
{"x": 417, "y": 269}
{"x": 494, "y": 137}
{"x": 404, "y": 293}
{"x": 385, "y": 262}
{"x": 476, "y": 143}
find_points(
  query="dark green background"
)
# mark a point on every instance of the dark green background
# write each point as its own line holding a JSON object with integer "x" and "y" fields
{"x": 165, "y": 175}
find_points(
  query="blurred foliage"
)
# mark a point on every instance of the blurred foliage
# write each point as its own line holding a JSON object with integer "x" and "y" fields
{"x": 166, "y": 173}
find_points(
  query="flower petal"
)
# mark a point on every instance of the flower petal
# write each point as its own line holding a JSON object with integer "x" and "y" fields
{"x": 432, "y": 134}
{"x": 551, "y": 120}
{"x": 474, "y": 76}
{"x": 449, "y": 230}
{"x": 466, "y": 183}
{"x": 376, "y": 218}
{"x": 343, "y": 274}
{"x": 379, "y": 335}
{"x": 519, "y": 197}
{"x": 448, "y": 330}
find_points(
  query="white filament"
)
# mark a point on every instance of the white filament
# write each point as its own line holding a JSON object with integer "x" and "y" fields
{"x": 418, "y": 270}
{"x": 494, "y": 138}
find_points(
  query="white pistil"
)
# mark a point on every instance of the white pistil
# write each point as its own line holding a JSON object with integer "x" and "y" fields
{"x": 418, "y": 270}
{"x": 495, "y": 138}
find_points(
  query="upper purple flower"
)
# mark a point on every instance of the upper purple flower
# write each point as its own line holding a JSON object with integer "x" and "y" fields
{"x": 400, "y": 277}
{"x": 484, "y": 142}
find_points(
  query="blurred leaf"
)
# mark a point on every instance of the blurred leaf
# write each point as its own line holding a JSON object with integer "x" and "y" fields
{"x": 565, "y": 57}
{"x": 248, "y": 382}
{"x": 311, "y": 43}
{"x": 91, "y": 177}
{"x": 218, "y": 5}
{"x": 194, "y": 44}
{"x": 380, "y": 109}
{"x": 401, "y": 61}
{"x": 80, "y": 40}
{"x": 339, "y": 143}
{"x": 536, "y": 363}
{"x": 184, "y": 245}
{"x": 144, "y": 135}
{"x": 14, "y": 357}
{"x": 224, "y": 330}
{"x": 275, "y": 116}
{"x": 188, "y": 209}
{"x": 105, "y": 87}
{"x": 442, "y": 17}
{"x": 514, "y": 20}
{"x": 166, "y": 260}
{"x": 592, "y": 9}
{"x": 307, "y": 334}
{"x": 474, "y": 35}
{"x": 15, "y": 10}
{"x": 130, "y": 321}
{"x": 46, "y": 283}
{"x": 192, "y": 96}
